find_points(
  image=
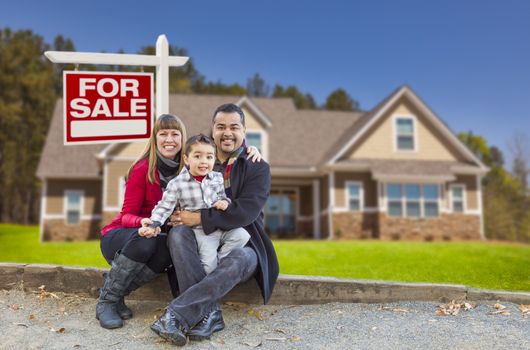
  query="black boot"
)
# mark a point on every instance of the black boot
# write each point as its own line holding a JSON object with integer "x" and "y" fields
{"x": 143, "y": 277}
{"x": 122, "y": 272}
{"x": 169, "y": 328}
{"x": 212, "y": 322}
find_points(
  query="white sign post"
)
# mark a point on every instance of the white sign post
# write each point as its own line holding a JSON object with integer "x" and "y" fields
{"x": 162, "y": 61}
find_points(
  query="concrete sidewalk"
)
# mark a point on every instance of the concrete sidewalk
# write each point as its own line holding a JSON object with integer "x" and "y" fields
{"x": 289, "y": 290}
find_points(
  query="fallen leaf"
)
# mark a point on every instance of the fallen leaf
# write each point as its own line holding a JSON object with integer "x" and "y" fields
{"x": 62, "y": 309}
{"x": 42, "y": 293}
{"x": 60, "y": 330}
{"x": 252, "y": 344}
{"x": 441, "y": 312}
{"x": 280, "y": 331}
{"x": 340, "y": 326}
{"x": 374, "y": 328}
{"x": 499, "y": 306}
{"x": 387, "y": 308}
{"x": 258, "y": 315}
{"x": 16, "y": 307}
{"x": 236, "y": 304}
{"x": 453, "y": 309}
{"x": 250, "y": 312}
{"x": 525, "y": 310}
{"x": 20, "y": 324}
{"x": 500, "y": 312}
{"x": 276, "y": 339}
{"x": 31, "y": 317}
{"x": 295, "y": 339}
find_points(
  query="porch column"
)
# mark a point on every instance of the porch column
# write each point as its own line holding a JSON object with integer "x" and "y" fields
{"x": 43, "y": 194}
{"x": 316, "y": 209}
{"x": 331, "y": 205}
{"x": 480, "y": 206}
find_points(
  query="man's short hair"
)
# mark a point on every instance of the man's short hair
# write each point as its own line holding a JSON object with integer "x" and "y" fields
{"x": 230, "y": 108}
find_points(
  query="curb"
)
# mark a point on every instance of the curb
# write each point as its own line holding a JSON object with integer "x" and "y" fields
{"x": 289, "y": 290}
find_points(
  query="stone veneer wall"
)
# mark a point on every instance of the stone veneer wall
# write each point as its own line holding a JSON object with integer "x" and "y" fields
{"x": 445, "y": 227}
{"x": 58, "y": 230}
{"x": 355, "y": 225}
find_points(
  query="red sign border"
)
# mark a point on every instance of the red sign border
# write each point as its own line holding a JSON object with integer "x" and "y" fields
{"x": 119, "y": 140}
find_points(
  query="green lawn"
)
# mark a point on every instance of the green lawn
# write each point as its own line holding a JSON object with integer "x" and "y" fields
{"x": 482, "y": 265}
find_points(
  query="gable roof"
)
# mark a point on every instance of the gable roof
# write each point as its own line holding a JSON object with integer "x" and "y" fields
{"x": 76, "y": 161}
{"x": 378, "y": 112}
{"x": 299, "y": 140}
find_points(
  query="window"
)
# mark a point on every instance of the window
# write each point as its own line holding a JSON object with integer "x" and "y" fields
{"x": 354, "y": 196}
{"x": 412, "y": 200}
{"x": 255, "y": 139}
{"x": 405, "y": 134}
{"x": 413, "y": 195}
{"x": 457, "y": 198}
{"x": 73, "y": 206}
{"x": 430, "y": 199}
{"x": 395, "y": 201}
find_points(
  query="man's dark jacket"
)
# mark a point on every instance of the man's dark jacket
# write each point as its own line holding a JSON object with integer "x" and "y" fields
{"x": 250, "y": 187}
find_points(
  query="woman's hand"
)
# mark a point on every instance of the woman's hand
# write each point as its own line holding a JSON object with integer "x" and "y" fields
{"x": 253, "y": 154}
{"x": 148, "y": 232}
{"x": 146, "y": 222}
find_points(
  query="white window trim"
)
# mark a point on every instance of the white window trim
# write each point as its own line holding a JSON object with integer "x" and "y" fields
{"x": 361, "y": 195}
{"x": 464, "y": 197}
{"x": 414, "y": 131}
{"x": 81, "y": 205}
{"x": 264, "y": 141}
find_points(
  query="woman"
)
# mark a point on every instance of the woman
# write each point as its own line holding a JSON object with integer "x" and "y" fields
{"x": 136, "y": 256}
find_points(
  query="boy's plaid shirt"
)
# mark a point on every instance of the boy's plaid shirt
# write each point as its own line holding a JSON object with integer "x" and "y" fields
{"x": 188, "y": 194}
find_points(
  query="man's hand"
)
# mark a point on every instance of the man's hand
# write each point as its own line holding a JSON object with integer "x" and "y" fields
{"x": 174, "y": 219}
{"x": 253, "y": 154}
{"x": 221, "y": 205}
{"x": 190, "y": 218}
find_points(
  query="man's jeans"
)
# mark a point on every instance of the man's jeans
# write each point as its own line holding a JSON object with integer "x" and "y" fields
{"x": 199, "y": 293}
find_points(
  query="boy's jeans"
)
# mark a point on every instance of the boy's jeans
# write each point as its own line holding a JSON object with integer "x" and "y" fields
{"x": 218, "y": 244}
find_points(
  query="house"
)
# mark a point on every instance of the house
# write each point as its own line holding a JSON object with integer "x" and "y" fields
{"x": 395, "y": 172}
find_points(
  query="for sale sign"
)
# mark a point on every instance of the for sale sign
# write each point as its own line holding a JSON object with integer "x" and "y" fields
{"x": 106, "y": 107}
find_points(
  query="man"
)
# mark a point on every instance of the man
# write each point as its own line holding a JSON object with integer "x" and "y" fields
{"x": 196, "y": 312}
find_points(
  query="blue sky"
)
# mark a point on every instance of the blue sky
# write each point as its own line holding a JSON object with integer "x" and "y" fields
{"x": 469, "y": 60}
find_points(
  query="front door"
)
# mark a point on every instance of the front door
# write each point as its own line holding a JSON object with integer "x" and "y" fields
{"x": 280, "y": 213}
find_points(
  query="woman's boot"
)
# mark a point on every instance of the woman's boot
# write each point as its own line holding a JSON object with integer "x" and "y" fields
{"x": 123, "y": 270}
{"x": 143, "y": 277}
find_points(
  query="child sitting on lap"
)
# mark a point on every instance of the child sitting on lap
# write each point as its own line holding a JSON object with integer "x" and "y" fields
{"x": 198, "y": 187}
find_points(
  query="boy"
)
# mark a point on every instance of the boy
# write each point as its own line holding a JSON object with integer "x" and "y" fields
{"x": 198, "y": 187}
